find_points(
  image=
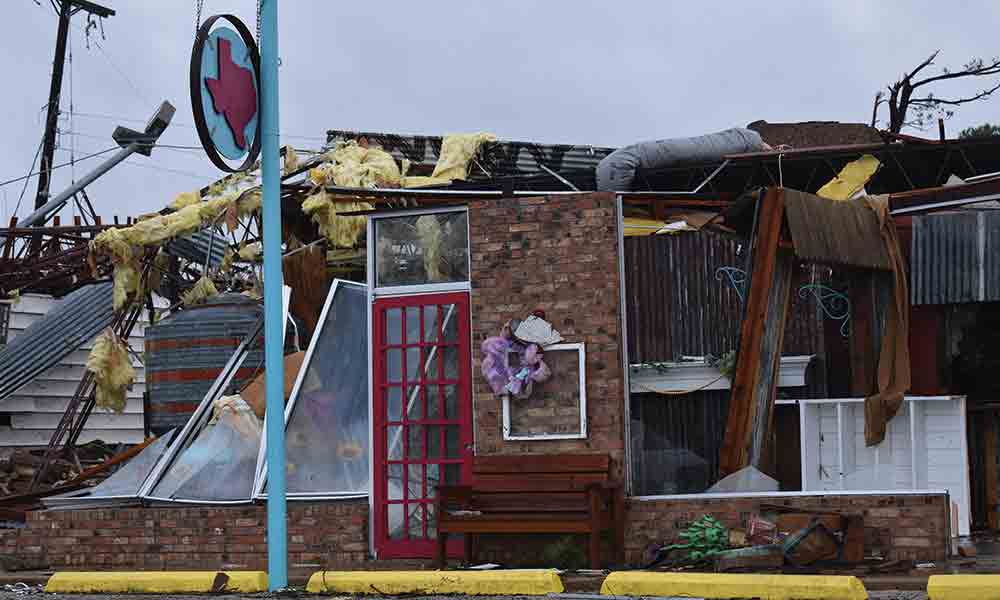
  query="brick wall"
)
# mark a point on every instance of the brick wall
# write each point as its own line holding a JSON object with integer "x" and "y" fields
{"x": 912, "y": 526}
{"x": 334, "y": 534}
{"x": 560, "y": 254}
{"x": 331, "y": 534}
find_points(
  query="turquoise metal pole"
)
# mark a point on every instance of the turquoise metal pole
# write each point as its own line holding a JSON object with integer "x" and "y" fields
{"x": 274, "y": 377}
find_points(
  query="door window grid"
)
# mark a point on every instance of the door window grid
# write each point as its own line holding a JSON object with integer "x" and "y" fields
{"x": 417, "y": 346}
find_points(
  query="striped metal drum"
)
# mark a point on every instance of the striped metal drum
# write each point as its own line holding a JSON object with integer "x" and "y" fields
{"x": 186, "y": 351}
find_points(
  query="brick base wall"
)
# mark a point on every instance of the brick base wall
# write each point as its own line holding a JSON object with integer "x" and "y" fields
{"x": 334, "y": 534}
{"x": 914, "y": 527}
{"x": 321, "y": 535}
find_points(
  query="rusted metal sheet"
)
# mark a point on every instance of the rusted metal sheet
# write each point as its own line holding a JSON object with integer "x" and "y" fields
{"x": 845, "y": 233}
{"x": 678, "y": 303}
{"x": 954, "y": 258}
{"x": 675, "y": 303}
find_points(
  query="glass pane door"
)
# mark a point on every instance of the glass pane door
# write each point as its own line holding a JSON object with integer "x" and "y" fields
{"x": 422, "y": 415}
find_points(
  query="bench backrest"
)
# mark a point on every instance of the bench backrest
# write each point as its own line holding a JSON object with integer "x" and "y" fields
{"x": 540, "y": 472}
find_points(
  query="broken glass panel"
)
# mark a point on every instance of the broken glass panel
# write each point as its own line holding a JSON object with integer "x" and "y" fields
{"x": 219, "y": 463}
{"x": 422, "y": 249}
{"x": 123, "y": 483}
{"x": 327, "y": 427}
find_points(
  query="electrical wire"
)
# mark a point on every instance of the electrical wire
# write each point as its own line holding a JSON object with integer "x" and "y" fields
{"x": 27, "y": 177}
{"x": 169, "y": 170}
{"x": 54, "y": 167}
{"x": 91, "y": 115}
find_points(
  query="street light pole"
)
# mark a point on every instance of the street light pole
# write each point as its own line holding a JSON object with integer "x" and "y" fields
{"x": 274, "y": 377}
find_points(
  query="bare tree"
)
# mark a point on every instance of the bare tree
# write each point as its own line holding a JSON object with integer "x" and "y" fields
{"x": 912, "y": 105}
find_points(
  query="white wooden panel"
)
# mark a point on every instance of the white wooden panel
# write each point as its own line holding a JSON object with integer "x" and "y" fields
{"x": 40, "y": 437}
{"x": 43, "y": 387}
{"x": 37, "y": 407}
{"x": 56, "y": 404}
{"x": 98, "y": 420}
{"x": 925, "y": 448}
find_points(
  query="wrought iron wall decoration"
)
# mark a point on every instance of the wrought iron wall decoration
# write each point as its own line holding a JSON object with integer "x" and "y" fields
{"x": 736, "y": 277}
{"x": 834, "y": 304}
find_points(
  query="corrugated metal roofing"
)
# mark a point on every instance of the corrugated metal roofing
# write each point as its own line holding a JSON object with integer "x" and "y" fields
{"x": 954, "y": 258}
{"x": 77, "y": 318}
{"x": 499, "y": 159}
{"x": 195, "y": 247}
{"x": 678, "y": 303}
{"x": 826, "y": 231}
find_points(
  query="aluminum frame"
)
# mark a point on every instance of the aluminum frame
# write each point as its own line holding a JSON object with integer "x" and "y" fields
{"x": 403, "y": 290}
{"x": 260, "y": 479}
{"x": 623, "y": 327}
{"x": 581, "y": 353}
{"x": 81, "y": 499}
{"x": 199, "y": 417}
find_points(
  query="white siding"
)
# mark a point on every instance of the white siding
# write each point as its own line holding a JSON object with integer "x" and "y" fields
{"x": 36, "y": 408}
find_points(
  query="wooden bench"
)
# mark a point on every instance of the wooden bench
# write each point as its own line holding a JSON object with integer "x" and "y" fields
{"x": 551, "y": 493}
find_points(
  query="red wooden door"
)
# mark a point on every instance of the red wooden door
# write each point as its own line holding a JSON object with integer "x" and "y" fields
{"x": 422, "y": 417}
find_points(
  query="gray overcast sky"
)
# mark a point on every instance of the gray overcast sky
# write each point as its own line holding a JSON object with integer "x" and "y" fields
{"x": 570, "y": 71}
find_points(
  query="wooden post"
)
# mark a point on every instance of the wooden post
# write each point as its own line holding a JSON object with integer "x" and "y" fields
{"x": 751, "y": 407}
{"x": 990, "y": 462}
{"x": 862, "y": 343}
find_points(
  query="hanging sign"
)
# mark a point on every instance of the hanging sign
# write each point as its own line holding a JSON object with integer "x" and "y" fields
{"x": 225, "y": 98}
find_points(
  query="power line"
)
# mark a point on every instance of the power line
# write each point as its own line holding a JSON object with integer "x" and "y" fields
{"x": 28, "y": 177}
{"x": 169, "y": 170}
{"x": 54, "y": 167}
{"x": 135, "y": 89}
{"x": 181, "y": 124}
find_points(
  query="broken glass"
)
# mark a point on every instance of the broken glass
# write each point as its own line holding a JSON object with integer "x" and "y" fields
{"x": 422, "y": 249}
{"x": 123, "y": 483}
{"x": 327, "y": 426}
{"x": 219, "y": 464}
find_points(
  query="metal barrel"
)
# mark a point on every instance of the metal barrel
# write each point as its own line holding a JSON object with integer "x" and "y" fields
{"x": 186, "y": 351}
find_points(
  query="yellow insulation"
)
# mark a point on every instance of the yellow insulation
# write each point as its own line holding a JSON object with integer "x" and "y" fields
{"x": 203, "y": 289}
{"x": 429, "y": 231}
{"x": 340, "y": 230}
{"x": 250, "y": 252}
{"x": 123, "y": 244}
{"x": 351, "y": 165}
{"x": 113, "y": 373}
{"x": 457, "y": 151}
{"x": 185, "y": 199}
{"x": 161, "y": 264}
{"x": 851, "y": 179}
{"x": 291, "y": 160}
{"x": 126, "y": 284}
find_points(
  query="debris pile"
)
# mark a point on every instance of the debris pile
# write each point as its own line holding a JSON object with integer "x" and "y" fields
{"x": 786, "y": 540}
{"x": 19, "y": 467}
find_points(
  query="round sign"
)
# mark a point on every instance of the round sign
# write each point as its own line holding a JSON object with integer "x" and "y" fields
{"x": 225, "y": 68}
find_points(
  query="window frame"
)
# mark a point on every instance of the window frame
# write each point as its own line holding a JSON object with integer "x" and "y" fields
{"x": 581, "y": 352}
{"x": 260, "y": 479}
{"x": 419, "y": 288}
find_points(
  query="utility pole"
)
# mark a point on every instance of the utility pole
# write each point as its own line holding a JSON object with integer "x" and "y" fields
{"x": 67, "y": 8}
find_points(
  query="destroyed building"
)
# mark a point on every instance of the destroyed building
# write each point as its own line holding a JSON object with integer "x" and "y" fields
{"x": 782, "y": 319}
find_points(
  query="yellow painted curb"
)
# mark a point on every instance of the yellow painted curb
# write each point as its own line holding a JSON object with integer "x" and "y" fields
{"x": 714, "y": 585}
{"x": 157, "y": 582}
{"x": 963, "y": 587}
{"x": 474, "y": 583}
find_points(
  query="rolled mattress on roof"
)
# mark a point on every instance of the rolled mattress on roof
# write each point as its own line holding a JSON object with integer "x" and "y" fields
{"x": 617, "y": 171}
